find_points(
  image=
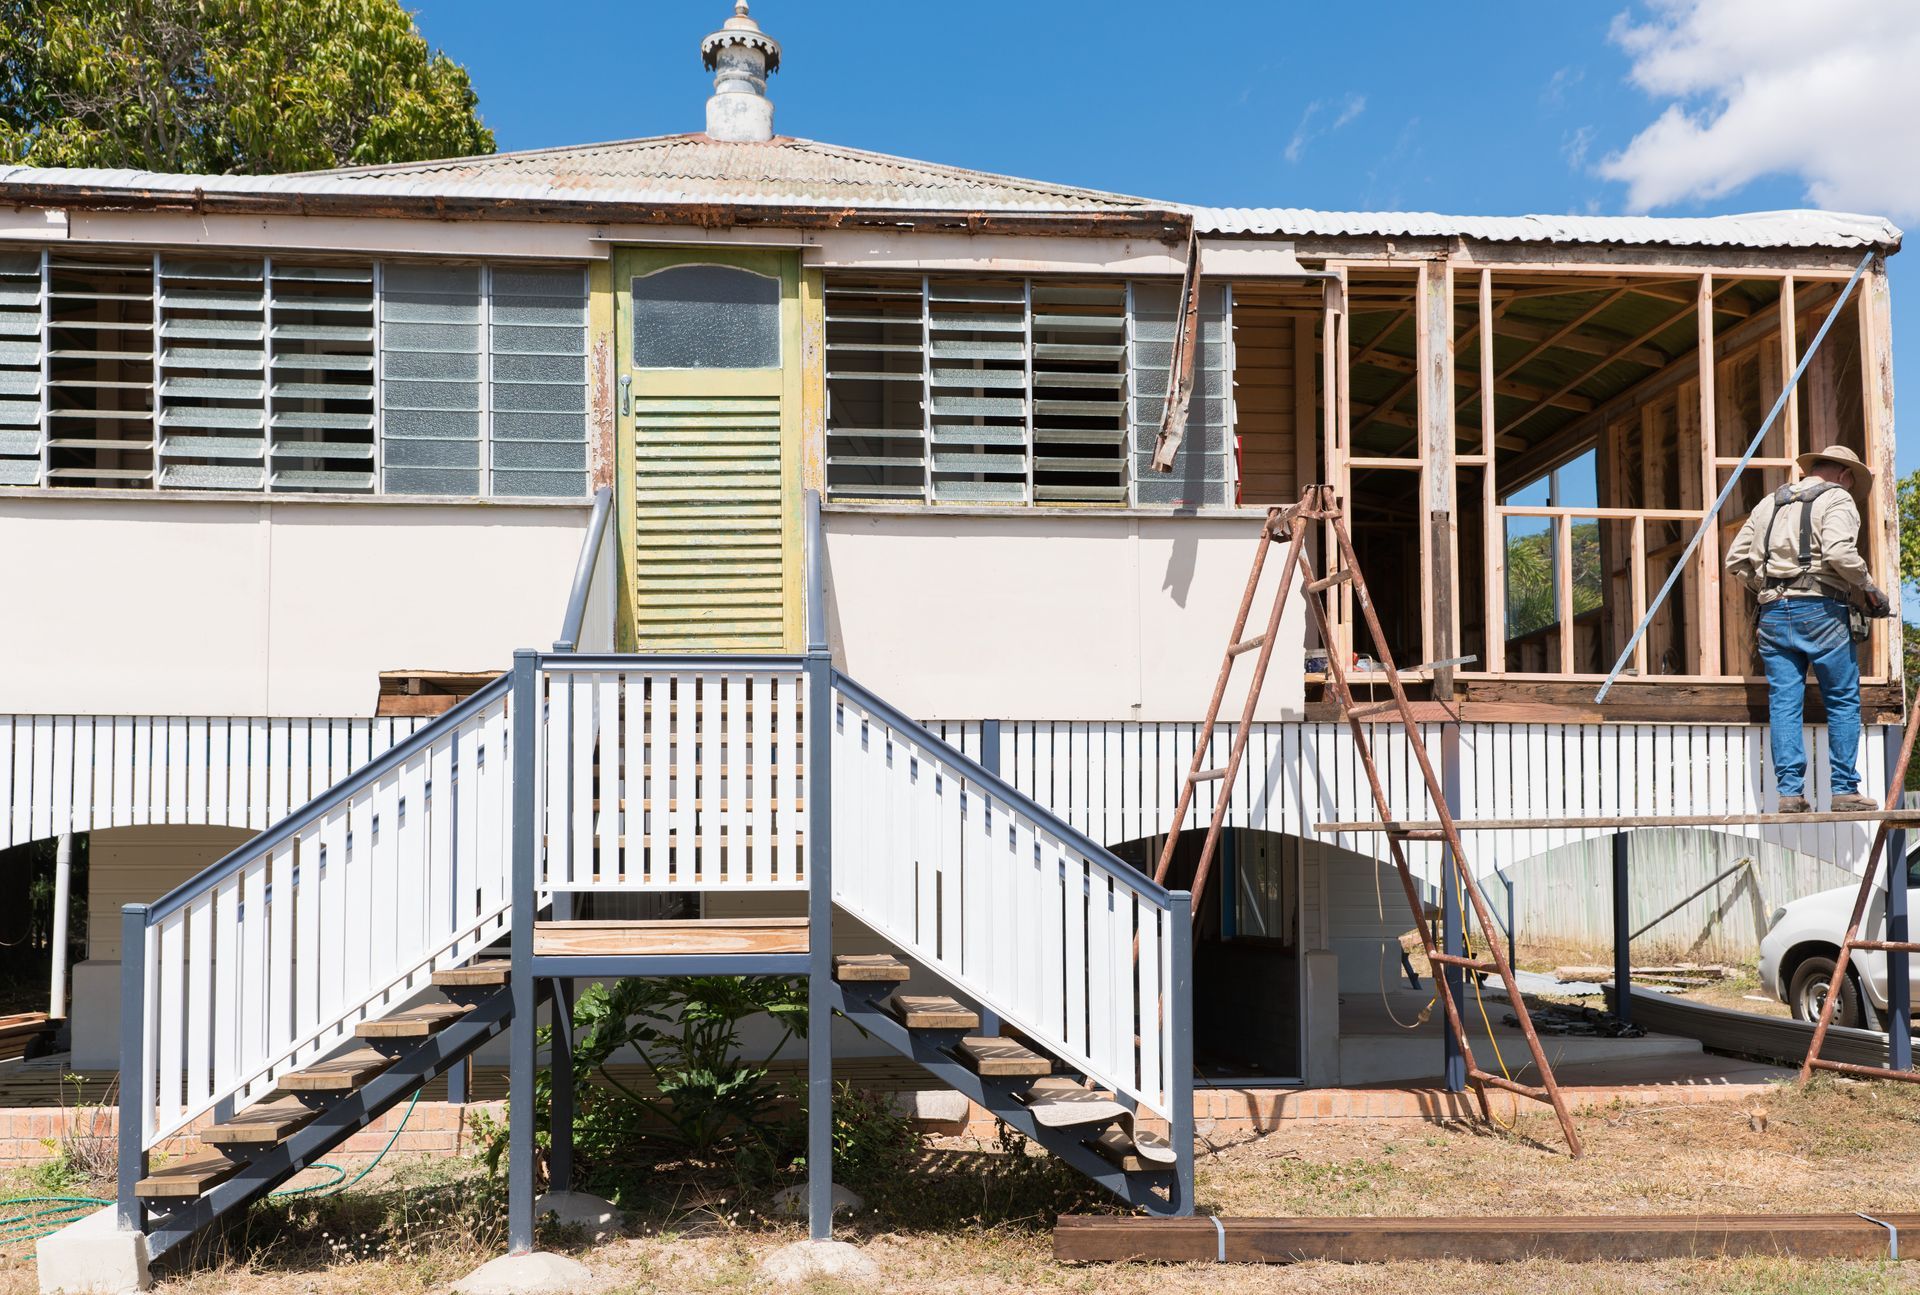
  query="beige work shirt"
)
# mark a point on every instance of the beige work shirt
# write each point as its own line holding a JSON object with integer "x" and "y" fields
{"x": 1834, "y": 560}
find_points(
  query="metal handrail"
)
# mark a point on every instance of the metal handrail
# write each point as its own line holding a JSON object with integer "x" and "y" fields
{"x": 357, "y": 781}
{"x": 598, "y": 523}
{"x": 816, "y": 576}
{"x": 977, "y": 772}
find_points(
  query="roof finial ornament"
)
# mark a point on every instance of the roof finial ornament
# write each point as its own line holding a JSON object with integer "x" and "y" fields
{"x": 740, "y": 56}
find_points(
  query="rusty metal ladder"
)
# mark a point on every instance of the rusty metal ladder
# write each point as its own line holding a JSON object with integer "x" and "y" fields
{"x": 1291, "y": 524}
{"x": 1896, "y": 781}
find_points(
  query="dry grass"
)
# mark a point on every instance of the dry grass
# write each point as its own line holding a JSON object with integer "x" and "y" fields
{"x": 1839, "y": 1146}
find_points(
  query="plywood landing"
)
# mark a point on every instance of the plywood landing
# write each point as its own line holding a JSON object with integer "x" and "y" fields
{"x": 670, "y": 938}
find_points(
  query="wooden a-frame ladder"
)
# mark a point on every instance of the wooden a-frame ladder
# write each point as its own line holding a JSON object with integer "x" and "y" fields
{"x": 1290, "y": 525}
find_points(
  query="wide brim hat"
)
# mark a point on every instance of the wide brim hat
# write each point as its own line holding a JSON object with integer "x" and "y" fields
{"x": 1840, "y": 454}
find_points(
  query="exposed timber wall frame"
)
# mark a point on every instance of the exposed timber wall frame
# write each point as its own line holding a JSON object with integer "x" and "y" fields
{"x": 1639, "y": 382}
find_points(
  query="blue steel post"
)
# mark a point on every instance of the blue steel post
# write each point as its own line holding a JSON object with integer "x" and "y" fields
{"x": 1622, "y": 929}
{"x": 560, "y": 1150}
{"x": 520, "y": 1067}
{"x": 133, "y": 1042}
{"x": 1899, "y": 988}
{"x": 819, "y": 783}
{"x": 1453, "y": 979}
{"x": 1179, "y": 1017}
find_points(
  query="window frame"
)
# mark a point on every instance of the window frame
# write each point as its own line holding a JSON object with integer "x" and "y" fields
{"x": 42, "y": 481}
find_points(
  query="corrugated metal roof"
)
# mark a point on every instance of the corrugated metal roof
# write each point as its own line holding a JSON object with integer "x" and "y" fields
{"x": 1754, "y": 229}
{"x": 669, "y": 169}
{"x": 680, "y": 170}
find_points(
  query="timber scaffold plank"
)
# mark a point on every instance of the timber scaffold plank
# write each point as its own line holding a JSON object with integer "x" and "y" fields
{"x": 1614, "y": 1238}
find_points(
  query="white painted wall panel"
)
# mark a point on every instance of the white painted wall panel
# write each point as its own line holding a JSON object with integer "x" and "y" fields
{"x": 1020, "y": 617}
{"x": 263, "y": 607}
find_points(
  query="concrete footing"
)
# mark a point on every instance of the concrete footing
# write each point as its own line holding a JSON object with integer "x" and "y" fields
{"x": 805, "y": 1262}
{"x": 596, "y": 1218}
{"x": 537, "y": 1273}
{"x": 93, "y": 1256}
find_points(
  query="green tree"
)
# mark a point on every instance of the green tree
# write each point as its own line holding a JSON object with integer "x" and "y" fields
{"x": 227, "y": 86}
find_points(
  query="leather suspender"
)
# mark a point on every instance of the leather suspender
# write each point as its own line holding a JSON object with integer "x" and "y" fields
{"x": 1781, "y": 498}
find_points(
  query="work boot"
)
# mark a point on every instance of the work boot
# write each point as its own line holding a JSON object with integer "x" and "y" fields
{"x": 1853, "y": 803}
{"x": 1793, "y": 805}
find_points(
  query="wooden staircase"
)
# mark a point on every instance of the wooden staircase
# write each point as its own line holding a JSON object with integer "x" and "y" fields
{"x": 1034, "y": 1093}
{"x": 312, "y": 1110}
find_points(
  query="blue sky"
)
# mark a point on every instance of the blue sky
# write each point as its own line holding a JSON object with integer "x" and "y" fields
{"x": 1474, "y": 107}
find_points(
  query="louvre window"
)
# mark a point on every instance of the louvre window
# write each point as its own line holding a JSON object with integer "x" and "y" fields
{"x": 1002, "y": 390}
{"x": 204, "y": 373}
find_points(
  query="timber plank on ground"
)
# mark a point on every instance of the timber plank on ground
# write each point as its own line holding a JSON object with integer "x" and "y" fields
{"x": 1750, "y": 1034}
{"x": 1610, "y": 1238}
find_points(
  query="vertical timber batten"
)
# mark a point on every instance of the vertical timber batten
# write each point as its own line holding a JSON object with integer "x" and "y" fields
{"x": 1438, "y": 475}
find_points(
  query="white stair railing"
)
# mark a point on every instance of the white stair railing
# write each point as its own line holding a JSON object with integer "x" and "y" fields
{"x": 673, "y": 773}
{"x": 264, "y": 962}
{"x": 1010, "y": 904}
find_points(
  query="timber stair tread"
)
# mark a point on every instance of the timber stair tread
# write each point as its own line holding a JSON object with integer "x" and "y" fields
{"x": 341, "y": 1074}
{"x": 188, "y": 1178}
{"x": 679, "y": 937}
{"x": 413, "y": 1023}
{"x": 263, "y": 1124}
{"x": 933, "y": 1012}
{"x": 1003, "y": 1058}
{"x": 1118, "y": 1149}
{"x": 870, "y": 968}
{"x": 475, "y": 975}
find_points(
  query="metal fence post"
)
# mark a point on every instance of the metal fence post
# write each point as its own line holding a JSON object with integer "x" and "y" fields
{"x": 1899, "y": 988}
{"x": 520, "y": 1070}
{"x": 1180, "y": 1060}
{"x": 133, "y": 1068}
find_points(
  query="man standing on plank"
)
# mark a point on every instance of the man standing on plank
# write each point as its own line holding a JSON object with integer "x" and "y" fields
{"x": 1799, "y": 551}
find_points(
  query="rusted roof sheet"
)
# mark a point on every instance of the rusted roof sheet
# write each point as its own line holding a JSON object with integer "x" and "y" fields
{"x": 665, "y": 170}
{"x": 1834, "y": 229}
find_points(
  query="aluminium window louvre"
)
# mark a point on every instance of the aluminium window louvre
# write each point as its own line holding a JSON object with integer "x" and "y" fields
{"x": 1080, "y": 392}
{"x": 977, "y": 392}
{"x": 432, "y": 404}
{"x": 537, "y": 382}
{"x": 320, "y": 377}
{"x": 1203, "y": 470}
{"x": 876, "y": 388}
{"x": 100, "y": 347}
{"x": 212, "y": 396}
{"x": 22, "y": 365}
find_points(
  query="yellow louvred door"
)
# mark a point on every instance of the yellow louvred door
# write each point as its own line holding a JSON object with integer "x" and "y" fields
{"x": 709, "y": 403}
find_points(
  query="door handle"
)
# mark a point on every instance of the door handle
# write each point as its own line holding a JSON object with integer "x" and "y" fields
{"x": 626, "y": 394}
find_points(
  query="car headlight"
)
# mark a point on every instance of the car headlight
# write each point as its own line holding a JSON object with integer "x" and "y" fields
{"x": 1773, "y": 919}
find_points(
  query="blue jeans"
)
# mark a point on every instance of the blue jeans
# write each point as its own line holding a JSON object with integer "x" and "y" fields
{"x": 1798, "y": 634}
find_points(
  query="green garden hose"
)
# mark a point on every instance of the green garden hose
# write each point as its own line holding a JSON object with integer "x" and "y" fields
{"x": 62, "y": 1210}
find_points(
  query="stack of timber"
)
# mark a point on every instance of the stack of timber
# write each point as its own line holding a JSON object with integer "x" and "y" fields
{"x": 24, "y": 1034}
{"x": 1749, "y": 1034}
{"x": 1615, "y": 1238}
{"x": 1681, "y": 975}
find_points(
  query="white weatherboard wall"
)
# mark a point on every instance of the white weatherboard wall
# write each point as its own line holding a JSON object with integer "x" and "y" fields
{"x": 263, "y": 607}
{"x": 1049, "y": 615}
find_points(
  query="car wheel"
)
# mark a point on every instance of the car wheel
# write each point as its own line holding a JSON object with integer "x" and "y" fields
{"x": 1808, "y": 992}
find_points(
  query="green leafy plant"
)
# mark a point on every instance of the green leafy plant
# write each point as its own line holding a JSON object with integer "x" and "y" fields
{"x": 227, "y": 86}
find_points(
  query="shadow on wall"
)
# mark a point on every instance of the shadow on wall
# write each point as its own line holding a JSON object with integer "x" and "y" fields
{"x": 1563, "y": 897}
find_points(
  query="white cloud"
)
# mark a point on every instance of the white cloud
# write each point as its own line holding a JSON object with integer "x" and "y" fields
{"x": 1829, "y": 92}
{"x": 1576, "y": 144}
{"x": 1305, "y": 133}
{"x": 1563, "y": 80}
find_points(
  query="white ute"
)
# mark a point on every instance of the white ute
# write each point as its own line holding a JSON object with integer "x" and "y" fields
{"x": 1803, "y": 942}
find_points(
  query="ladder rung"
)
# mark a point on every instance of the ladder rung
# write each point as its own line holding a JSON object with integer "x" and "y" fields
{"x": 1417, "y": 833}
{"x": 1378, "y": 708}
{"x": 1209, "y": 775}
{"x": 1465, "y": 963}
{"x": 1247, "y": 646}
{"x": 1501, "y": 1081}
{"x": 1339, "y": 577}
{"x": 1889, "y": 946}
